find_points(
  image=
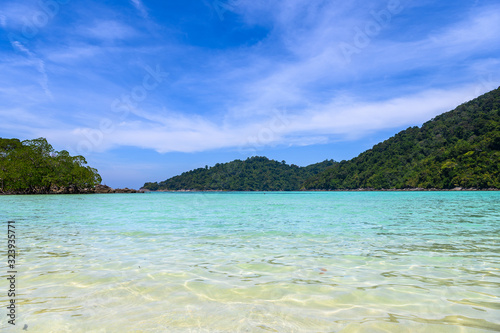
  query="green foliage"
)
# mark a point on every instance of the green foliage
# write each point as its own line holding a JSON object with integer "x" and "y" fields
{"x": 32, "y": 166}
{"x": 460, "y": 148}
{"x": 253, "y": 174}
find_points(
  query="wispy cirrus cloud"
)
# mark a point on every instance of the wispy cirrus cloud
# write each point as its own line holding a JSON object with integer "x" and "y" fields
{"x": 39, "y": 64}
{"x": 320, "y": 73}
{"x": 343, "y": 119}
{"x": 108, "y": 30}
{"x": 16, "y": 14}
{"x": 140, "y": 8}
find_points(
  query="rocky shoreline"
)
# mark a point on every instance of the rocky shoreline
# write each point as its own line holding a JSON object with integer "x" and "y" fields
{"x": 418, "y": 189}
{"x": 98, "y": 189}
{"x": 106, "y": 189}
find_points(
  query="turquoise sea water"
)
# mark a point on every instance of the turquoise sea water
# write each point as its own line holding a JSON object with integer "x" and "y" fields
{"x": 255, "y": 262}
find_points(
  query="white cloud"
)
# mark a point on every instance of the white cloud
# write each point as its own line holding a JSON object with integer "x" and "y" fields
{"x": 140, "y": 8}
{"x": 72, "y": 53}
{"x": 39, "y": 64}
{"x": 177, "y": 133}
{"x": 466, "y": 38}
{"x": 108, "y": 30}
{"x": 314, "y": 71}
{"x": 479, "y": 29}
{"x": 357, "y": 119}
{"x": 17, "y": 15}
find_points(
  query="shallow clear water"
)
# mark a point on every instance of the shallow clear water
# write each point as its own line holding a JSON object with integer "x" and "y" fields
{"x": 256, "y": 262}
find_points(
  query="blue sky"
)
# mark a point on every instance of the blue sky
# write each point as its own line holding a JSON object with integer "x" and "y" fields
{"x": 148, "y": 89}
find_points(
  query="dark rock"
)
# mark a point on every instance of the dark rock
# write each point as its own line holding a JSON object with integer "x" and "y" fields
{"x": 103, "y": 189}
{"x": 107, "y": 189}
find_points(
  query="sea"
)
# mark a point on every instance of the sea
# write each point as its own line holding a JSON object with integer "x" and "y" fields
{"x": 252, "y": 262}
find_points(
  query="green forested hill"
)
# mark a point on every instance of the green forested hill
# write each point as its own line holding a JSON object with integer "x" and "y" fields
{"x": 253, "y": 174}
{"x": 460, "y": 148}
{"x": 33, "y": 166}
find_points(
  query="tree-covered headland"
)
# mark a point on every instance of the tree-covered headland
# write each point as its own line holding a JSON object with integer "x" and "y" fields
{"x": 459, "y": 148}
{"x": 34, "y": 167}
{"x": 253, "y": 174}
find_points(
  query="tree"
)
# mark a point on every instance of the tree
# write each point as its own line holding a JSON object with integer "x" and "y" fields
{"x": 33, "y": 166}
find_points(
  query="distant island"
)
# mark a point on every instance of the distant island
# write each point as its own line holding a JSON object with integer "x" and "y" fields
{"x": 254, "y": 174}
{"x": 459, "y": 149}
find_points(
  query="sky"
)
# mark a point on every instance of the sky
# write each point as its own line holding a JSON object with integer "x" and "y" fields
{"x": 146, "y": 90}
